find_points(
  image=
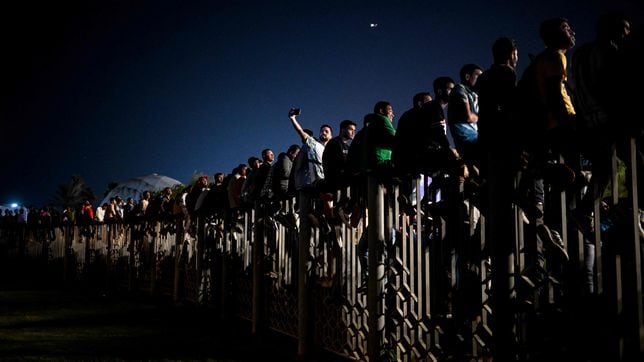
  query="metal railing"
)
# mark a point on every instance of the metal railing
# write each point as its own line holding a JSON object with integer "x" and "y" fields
{"x": 444, "y": 281}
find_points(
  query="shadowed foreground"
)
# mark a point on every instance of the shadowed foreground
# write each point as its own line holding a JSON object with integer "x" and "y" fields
{"x": 46, "y": 325}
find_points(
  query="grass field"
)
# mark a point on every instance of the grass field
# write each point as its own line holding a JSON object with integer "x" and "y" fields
{"x": 53, "y": 325}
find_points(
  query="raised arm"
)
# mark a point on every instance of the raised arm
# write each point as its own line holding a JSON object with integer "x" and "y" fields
{"x": 297, "y": 127}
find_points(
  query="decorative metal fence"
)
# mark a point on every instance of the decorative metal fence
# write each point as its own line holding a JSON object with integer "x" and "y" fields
{"x": 440, "y": 285}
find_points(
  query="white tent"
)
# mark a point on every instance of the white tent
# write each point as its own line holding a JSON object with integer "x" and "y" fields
{"x": 134, "y": 187}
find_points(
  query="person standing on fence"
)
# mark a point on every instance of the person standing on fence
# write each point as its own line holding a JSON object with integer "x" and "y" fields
{"x": 594, "y": 69}
{"x": 86, "y": 219}
{"x": 497, "y": 94}
{"x": 308, "y": 172}
{"x": 264, "y": 177}
{"x": 308, "y": 165}
{"x": 548, "y": 114}
{"x": 380, "y": 139}
{"x": 144, "y": 202}
{"x": 196, "y": 196}
{"x": 282, "y": 186}
{"x": 248, "y": 188}
{"x": 405, "y": 154}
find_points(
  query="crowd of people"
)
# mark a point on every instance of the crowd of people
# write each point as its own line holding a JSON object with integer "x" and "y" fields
{"x": 561, "y": 134}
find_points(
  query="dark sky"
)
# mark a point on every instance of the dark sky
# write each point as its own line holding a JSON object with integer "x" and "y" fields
{"x": 110, "y": 90}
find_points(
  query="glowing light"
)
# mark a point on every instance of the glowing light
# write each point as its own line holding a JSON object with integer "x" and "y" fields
{"x": 14, "y": 205}
{"x": 373, "y": 25}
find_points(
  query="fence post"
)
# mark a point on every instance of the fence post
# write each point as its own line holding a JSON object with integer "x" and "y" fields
{"x": 66, "y": 259}
{"x": 178, "y": 255}
{"x": 632, "y": 268}
{"x": 303, "y": 300}
{"x": 153, "y": 257}
{"x": 258, "y": 268}
{"x": 503, "y": 231}
{"x": 376, "y": 282}
{"x": 108, "y": 255}
{"x": 134, "y": 234}
{"x": 226, "y": 251}
{"x": 87, "y": 248}
{"x": 45, "y": 248}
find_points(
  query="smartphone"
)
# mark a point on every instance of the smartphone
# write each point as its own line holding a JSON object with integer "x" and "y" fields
{"x": 294, "y": 112}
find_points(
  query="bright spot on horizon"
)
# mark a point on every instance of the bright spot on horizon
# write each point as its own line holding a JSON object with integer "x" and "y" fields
{"x": 14, "y": 205}
{"x": 373, "y": 25}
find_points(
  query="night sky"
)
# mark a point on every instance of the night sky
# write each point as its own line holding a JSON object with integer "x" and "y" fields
{"x": 110, "y": 90}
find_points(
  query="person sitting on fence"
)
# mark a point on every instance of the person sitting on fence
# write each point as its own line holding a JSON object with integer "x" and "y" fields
{"x": 99, "y": 216}
{"x": 379, "y": 140}
{"x": 249, "y": 185}
{"x": 463, "y": 115}
{"x": 405, "y": 153}
{"x": 263, "y": 179}
{"x": 375, "y": 153}
{"x": 283, "y": 186}
{"x": 197, "y": 195}
{"x": 334, "y": 162}
{"x": 235, "y": 191}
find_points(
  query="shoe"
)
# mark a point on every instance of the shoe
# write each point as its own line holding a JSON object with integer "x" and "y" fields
{"x": 559, "y": 244}
{"x": 552, "y": 239}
